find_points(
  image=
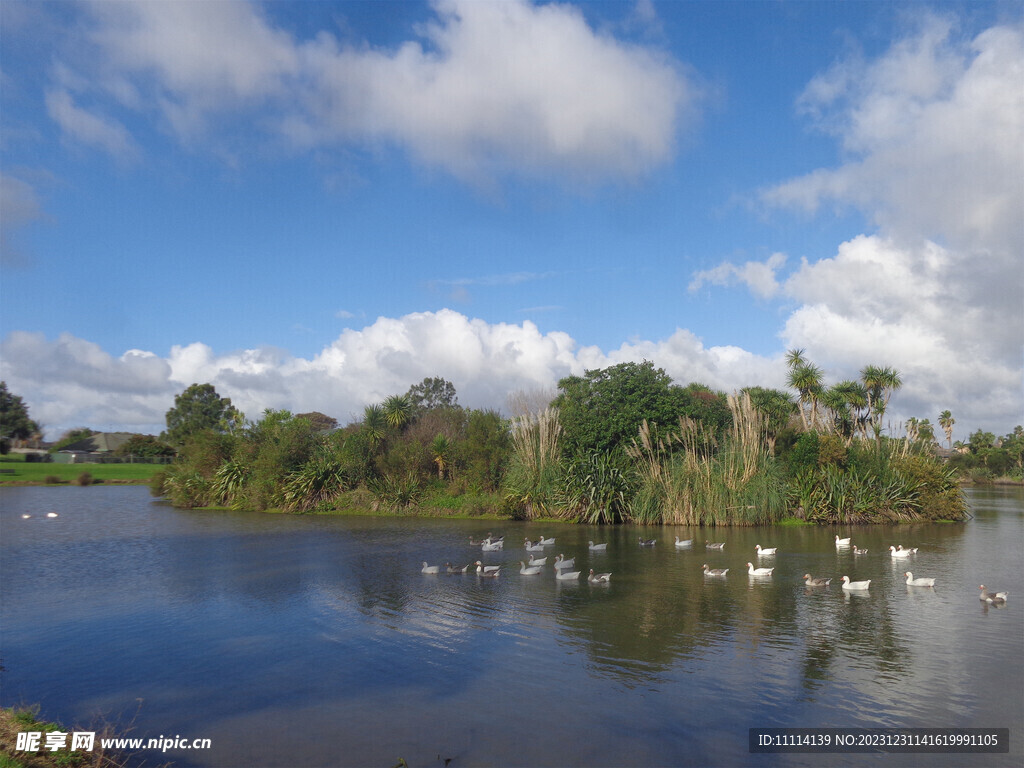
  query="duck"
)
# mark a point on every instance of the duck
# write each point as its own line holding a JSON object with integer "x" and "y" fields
{"x": 533, "y": 570}
{"x": 26, "y": 517}
{"x": 810, "y": 581}
{"x": 492, "y": 547}
{"x": 599, "y": 578}
{"x": 430, "y": 568}
{"x": 855, "y": 586}
{"x": 680, "y": 544}
{"x": 858, "y": 551}
{"x": 758, "y": 571}
{"x": 919, "y": 582}
{"x": 486, "y": 569}
{"x": 992, "y": 597}
{"x": 457, "y": 568}
{"x": 714, "y": 571}
{"x": 538, "y": 560}
{"x": 842, "y": 543}
{"x": 52, "y": 514}
{"x": 533, "y": 546}
{"x": 597, "y": 547}
{"x": 561, "y": 562}
{"x": 765, "y": 551}
{"x": 546, "y": 542}
{"x": 492, "y": 538}
{"x": 474, "y": 543}
{"x": 713, "y": 545}
{"x": 488, "y": 574}
{"x": 647, "y": 542}
{"x": 901, "y": 552}
{"x": 566, "y": 575}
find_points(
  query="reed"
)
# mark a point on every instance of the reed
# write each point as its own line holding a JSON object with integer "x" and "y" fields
{"x": 532, "y": 479}
{"x": 690, "y": 478}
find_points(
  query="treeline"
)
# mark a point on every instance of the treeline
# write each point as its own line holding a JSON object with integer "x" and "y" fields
{"x": 620, "y": 444}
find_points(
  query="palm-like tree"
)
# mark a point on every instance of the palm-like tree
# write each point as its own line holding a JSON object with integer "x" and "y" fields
{"x": 440, "y": 453}
{"x": 398, "y": 410}
{"x": 374, "y": 425}
{"x": 946, "y": 421}
{"x": 880, "y": 383}
{"x": 806, "y": 379}
{"x": 848, "y": 402}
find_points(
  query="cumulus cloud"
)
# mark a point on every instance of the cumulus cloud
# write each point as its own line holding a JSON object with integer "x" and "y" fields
{"x": 69, "y": 381}
{"x": 933, "y": 130}
{"x": 485, "y": 90}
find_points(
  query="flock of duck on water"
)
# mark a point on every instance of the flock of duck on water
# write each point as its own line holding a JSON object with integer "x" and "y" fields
{"x": 563, "y": 566}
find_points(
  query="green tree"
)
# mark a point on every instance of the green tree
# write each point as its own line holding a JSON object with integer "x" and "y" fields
{"x": 603, "y": 409}
{"x": 200, "y": 408}
{"x": 144, "y": 445}
{"x": 318, "y": 421}
{"x": 15, "y": 423}
{"x": 776, "y": 406}
{"x": 440, "y": 454}
{"x": 487, "y": 449}
{"x": 946, "y": 421}
{"x": 72, "y": 436}
{"x": 375, "y": 426}
{"x": 432, "y": 393}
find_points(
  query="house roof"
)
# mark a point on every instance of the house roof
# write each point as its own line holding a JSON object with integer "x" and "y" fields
{"x": 102, "y": 442}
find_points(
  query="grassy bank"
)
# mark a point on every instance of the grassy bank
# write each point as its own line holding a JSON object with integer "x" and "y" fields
{"x": 16, "y": 471}
{"x": 15, "y": 720}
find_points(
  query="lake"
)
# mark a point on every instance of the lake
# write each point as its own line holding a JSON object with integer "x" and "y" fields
{"x": 316, "y": 641}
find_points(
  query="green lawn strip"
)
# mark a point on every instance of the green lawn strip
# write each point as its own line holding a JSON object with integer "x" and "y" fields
{"x": 68, "y": 474}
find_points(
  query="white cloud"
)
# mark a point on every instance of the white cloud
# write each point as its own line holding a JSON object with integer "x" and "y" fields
{"x": 70, "y": 382}
{"x": 488, "y": 89}
{"x": 758, "y": 276}
{"x": 83, "y": 126}
{"x": 935, "y": 134}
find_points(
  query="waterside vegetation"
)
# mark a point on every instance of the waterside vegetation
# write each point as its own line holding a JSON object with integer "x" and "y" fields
{"x": 621, "y": 444}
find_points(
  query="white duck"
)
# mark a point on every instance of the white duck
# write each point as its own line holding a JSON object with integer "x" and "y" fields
{"x": 566, "y": 575}
{"x": 599, "y": 578}
{"x": 758, "y": 571}
{"x": 810, "y": 581}
{"x": 538, "y": 560}
{"x": 25, "y": 517}
{"x": 430, "y": 568}
{"x": 533, "y": 570}
{"x": 533, "y": 546}
{"x": 714, "y": 571}
{"x": 842, "y": 543}
{"x": 681, "y": 544}
{"x": 900, "y": 552}
{"x": 561, "y": 562}
{"x": 992, "y": 597}
{"x": 765, "y": 551}
{"x": 51, "y": 514}
{"x": 486, "y": 569}
{"x": 714, "y": 545}
{"x": 855, "y": 586}
{"x": 598, "y": 547}
{"x": 919, "y": 582}
{"x": 858, "y": 551}
{"x": 546, "y": 542}
{"x": 492, "y": 546}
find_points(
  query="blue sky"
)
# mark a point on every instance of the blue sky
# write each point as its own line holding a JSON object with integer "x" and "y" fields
{"x": 315, "y": 205}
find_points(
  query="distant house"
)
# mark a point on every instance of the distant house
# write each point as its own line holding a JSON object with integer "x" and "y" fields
{"x": 93, "y": 448}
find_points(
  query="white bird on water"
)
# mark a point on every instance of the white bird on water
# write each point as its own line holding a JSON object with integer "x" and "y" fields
{"x": 855, "y": 586}
{"x": 919, "y": 582}
{"x": 758, "y": 571}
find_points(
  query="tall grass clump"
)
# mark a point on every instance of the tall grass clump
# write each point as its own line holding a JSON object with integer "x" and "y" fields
{"x": 533, "y": 477}
{"x": 688, "y": 477}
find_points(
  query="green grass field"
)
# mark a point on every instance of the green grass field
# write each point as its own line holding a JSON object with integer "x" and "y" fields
{"x": 69, "y": 473}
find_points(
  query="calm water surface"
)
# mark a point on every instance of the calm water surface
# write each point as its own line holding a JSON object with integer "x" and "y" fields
{"x": 313, "y": 641}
